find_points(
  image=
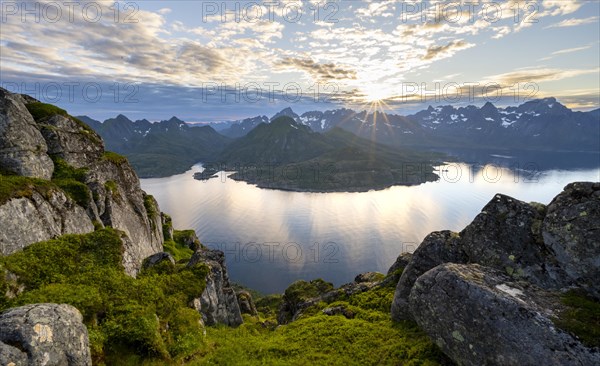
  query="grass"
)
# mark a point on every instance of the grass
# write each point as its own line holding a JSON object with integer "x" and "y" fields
{"x": 114, "y": 157}
{"x": 179, "y": 251}
{"x": 151, "y": 209}
{"x": 72, "y": 181}
{"x": 147, "y": 321}
{"x": 14, "y": 186}
{"x": 582, "y": 318}
{"x": 78, "y": 191}
{"x": 42, "y": 111}
{"x": 187, "y": 236}
{"x": 111, "y": 186}
{"x": 371, "y": 338}
{"x": 145, "y": 318}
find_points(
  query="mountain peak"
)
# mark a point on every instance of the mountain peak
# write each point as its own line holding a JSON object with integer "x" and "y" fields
{"x": 543, "y": 105}
{"x": 286, "y": 112}
{"x": 175, "y": 120}
{"x": 122, "y": 117}
{"x": 489, "y": 107}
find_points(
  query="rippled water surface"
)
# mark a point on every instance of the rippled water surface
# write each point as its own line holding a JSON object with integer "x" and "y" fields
{"x": 272, "y": 238}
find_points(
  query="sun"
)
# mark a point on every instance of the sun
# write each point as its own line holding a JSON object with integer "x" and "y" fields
{"x": 375, "y": 94}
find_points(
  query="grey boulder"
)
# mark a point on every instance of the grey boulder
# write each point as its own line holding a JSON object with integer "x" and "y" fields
{"x": 479, "y": 316}
{"x": 44, "y": 335}
{"x": 571, "y": 229}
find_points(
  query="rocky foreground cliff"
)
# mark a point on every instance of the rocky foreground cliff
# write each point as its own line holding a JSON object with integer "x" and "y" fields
{"x": 92, "y": 188}
{"x": 76, "y": 227}
{"x": 518, "y": 286}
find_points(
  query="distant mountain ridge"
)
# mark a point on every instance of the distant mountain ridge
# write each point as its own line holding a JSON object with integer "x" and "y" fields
{"x": 171, "y": 146}
{"x": 541, "y": 124}
{"x": 159, "y": 149}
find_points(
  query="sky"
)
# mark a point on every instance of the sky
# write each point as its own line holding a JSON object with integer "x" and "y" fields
{"x": 210, "y": 61}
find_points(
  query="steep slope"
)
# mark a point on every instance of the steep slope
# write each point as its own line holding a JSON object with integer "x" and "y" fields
{"x": 160, "y": 149}
{"x": 89, "y": 187}
{"x": 283, "y": 140}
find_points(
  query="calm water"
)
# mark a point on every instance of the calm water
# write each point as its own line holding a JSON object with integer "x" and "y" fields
{"x": 272, "y": 238}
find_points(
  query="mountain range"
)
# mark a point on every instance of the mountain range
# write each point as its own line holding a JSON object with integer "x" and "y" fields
{"x": 159, "y": 149}
{"x": 172, "y": 146}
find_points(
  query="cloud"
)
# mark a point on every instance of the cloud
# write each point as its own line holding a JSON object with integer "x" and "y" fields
{"x": 573, "y": 22}
{"x": 536, "y": 75}
{"x": 164, "y": 11}
{"x": 569, "y": 50}
{"x": 325, "y": 72}
{"x": 447, "y": 50}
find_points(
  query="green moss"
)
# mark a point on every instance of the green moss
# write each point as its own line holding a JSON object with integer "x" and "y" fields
{"x": 111, "y": 186}
{"x": 268, "y": 305}
{"x": 582, "y": 317}
{"x": 14, "y": 186}
{"x": 114, "y": 157}
{"x": 371, "y": 338}
{"x": 178, "y": 251}
{"x": 40, "y": 111}
{"x": 62, "y": 170}
{"x": 71, "y": 180}
{"x": 150, "y": 205}
{"x": 78, "y": 191}
{"x": 301, "y": 291}
{"x": 147, "y": 317}
{"x": 187, "y": 238}
{"x": 379, "y": 298}
{"x": 167, "y": 227}
{"x": 539, "y": 207}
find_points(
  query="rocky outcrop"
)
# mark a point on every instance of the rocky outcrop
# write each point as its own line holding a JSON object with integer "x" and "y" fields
{"x": 115, "y": 196}
{"x": 218, "y": 302}
{"x": 338, "y": 310}
{"x": 188, "y": 238}
{"x": 437, "y": 248}
{"x": 167, "y": 225}
{"x": 301, "y": 295}
{"x": 571, "y": 230}
{"x": 158, "y": 258}
{"x": 490, "y": 294}
{"x": 120, "y": 202}
{"x": 480, "y": 316}
{"x": 71, "y": 140}
{"x": 37, "y": 218}
{"x": 22, "y": 147}
{"x": 44, "y": 334}
{"x": 246, "y": 303}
